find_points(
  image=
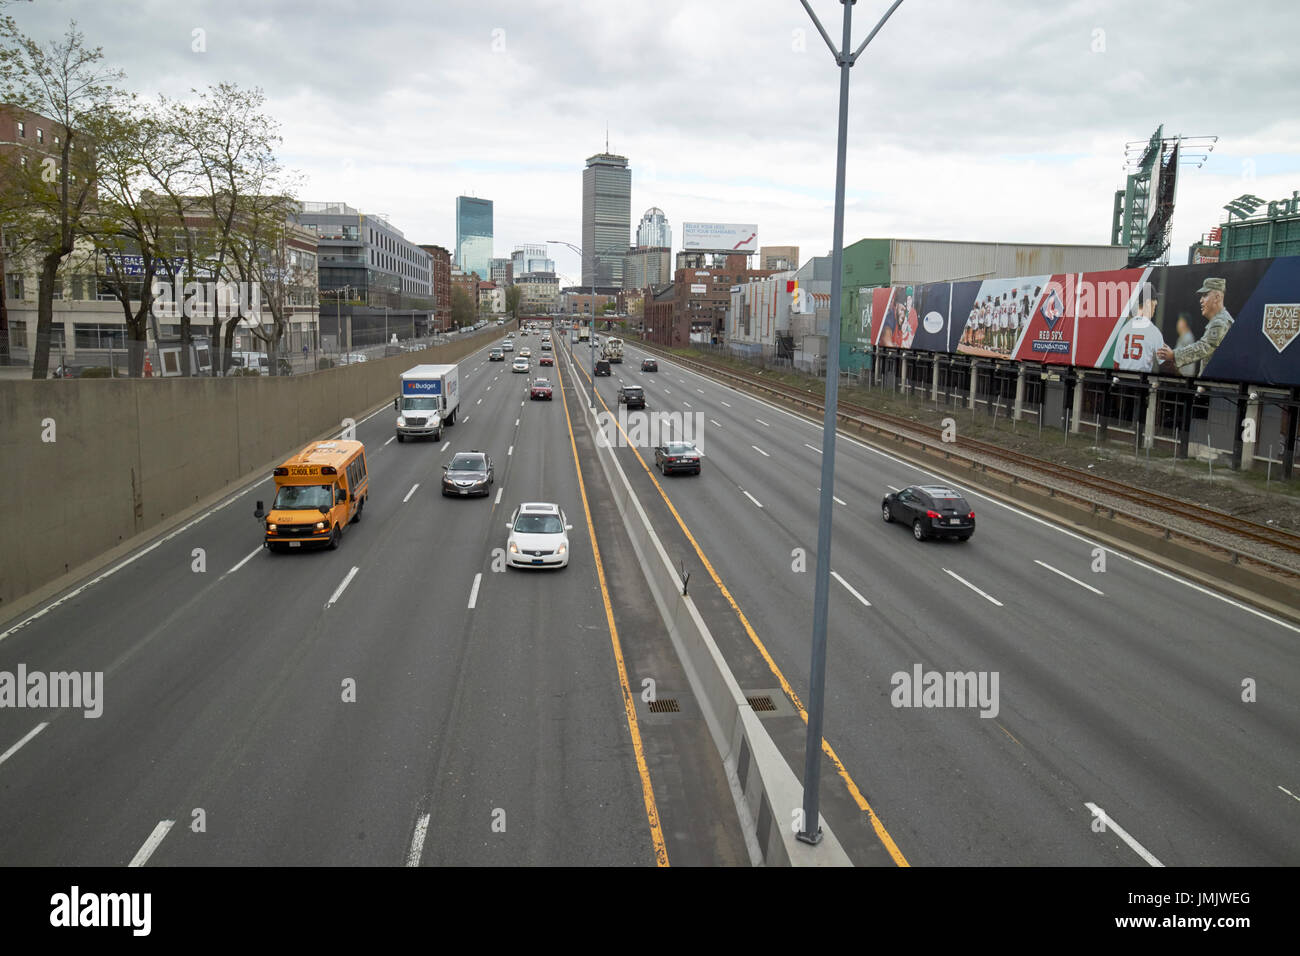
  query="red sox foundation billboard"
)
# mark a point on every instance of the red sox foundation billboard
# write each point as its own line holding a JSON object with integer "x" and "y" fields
{"x": 1232, "y": 321}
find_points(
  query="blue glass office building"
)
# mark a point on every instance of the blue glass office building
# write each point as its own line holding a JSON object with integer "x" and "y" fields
{"x": 474, "y": 235}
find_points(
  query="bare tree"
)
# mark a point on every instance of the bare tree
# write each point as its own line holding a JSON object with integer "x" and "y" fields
{"x": 63, "y": 82}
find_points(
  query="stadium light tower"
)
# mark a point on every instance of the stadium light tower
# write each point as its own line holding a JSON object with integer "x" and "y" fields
{"x": 811, "y": 832}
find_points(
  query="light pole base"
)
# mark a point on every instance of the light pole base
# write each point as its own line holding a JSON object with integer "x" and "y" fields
{"x": 812, "y": 839}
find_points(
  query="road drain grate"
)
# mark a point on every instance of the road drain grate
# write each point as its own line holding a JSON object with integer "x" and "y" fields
{"x": 665, "y": 705}
{"x": 761, "y": 703}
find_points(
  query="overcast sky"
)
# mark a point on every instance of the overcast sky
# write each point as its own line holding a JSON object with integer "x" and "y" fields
{"x": 971, "y": 120}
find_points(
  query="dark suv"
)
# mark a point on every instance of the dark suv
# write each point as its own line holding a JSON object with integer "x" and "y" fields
{"x": 602, "y": 367}
{"x": 930, "y": 511}
{"x": 633, "y": 396}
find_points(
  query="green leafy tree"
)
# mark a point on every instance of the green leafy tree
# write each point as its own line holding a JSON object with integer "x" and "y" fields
{"x": 462, "y": 308}
{"x": 513, "y": 295}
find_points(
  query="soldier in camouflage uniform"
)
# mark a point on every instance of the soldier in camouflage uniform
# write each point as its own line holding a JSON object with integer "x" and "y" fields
{"x": 1211, "y": 293}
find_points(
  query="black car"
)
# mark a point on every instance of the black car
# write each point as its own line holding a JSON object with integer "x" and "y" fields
{"x": 677, "y": 456}
{"x": 469, "y": 473}
{"x": 602, "y": 367}
{"x": 931, "y": 511}
{"x": 649, "y": 365}
{"x": 633, "y": 396}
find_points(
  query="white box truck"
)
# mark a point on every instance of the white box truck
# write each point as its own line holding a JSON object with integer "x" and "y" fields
{"x": 429, "y": 399}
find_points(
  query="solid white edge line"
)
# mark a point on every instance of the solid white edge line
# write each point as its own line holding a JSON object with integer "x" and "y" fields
{"x": 411, "y": 492}
{"x": 18, "y": 746}
{"x": 850, "y": 588}
{"x": 760, "y": 451}
{"x": 142, "y": 855}
{"x": 751, "y": 497}
{"x": 1067, "y": 576}
{"x": 1110, "y": 824}
{"x": 842, "y": 436}
{"x": 986, "y": 597}
{"x": 417, "y": 840}
{"x": 473, "y": 592}
{"x": 339, "y": 590}
{"x": 250, "y": 557}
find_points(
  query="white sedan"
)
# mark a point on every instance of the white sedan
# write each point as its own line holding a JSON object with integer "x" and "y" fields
{"x": 520, "y": 365}
{"x": 538, "y": 536}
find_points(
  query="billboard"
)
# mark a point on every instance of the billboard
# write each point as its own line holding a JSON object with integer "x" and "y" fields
{"x": 1229, "y": 321}
{"x": 719, "y": 237}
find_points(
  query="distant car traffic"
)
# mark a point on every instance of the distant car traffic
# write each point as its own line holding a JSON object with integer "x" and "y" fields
{"x": 541, "y": 388}
{"x": 677, "y": 456}
{"x": 633, "y": 396}
{"x": 649, "y": 365}
{"x": 526, "y": 352}
{"x": 521, "y": 364}
{"x": 546, "y": 360}
{"x": 930, "y": 511}
{"x": 468, "y": 473}
{"x": 508, "y": 345}
{"x": 538, "y": 536}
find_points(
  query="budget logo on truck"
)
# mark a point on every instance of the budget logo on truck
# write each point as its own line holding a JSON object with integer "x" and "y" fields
{"x": 423, "y": 388}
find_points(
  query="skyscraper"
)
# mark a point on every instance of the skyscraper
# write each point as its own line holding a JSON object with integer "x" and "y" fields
{"x": 474, "y": 235}
{"x": 606, "y": 218}
{"x": 654, "y": 230}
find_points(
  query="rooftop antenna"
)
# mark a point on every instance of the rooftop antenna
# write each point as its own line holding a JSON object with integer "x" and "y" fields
{"x": 606, "y": 136}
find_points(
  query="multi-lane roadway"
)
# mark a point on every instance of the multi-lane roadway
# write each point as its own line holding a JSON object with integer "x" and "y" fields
{"x": 401, "y": 701}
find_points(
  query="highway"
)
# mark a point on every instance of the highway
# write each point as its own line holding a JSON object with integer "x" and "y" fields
{"x": 394, "y": 702}
{"x": 1120, "y": 690}
{"x": 400, "y": 702}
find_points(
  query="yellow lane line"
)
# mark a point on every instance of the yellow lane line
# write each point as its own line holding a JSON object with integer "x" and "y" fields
{"x": 629, "y": 705}
{"x": 894, "y": 852}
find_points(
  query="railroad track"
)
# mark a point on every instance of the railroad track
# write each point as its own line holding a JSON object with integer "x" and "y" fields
{"x": 1278, "y": 538}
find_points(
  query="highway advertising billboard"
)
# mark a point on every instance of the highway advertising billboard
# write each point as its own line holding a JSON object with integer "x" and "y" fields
{"x": 719, "y": 237}
{"x": 1232, "y": 321}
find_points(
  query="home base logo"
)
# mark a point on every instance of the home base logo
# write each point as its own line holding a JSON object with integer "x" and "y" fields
{"x": 1281, "y": 324}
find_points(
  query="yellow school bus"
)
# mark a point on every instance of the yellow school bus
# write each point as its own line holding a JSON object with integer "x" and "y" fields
{"x": 318, "y": 492}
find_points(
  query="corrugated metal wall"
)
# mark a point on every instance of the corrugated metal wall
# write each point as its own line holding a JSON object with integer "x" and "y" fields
{"x": 925, "y": 260}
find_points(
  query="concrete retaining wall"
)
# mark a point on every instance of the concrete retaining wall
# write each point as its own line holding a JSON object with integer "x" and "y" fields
{"x": 93, "y": 463}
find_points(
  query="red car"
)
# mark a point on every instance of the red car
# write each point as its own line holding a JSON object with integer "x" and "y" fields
{"x": 546, "y": 360}
{"x": 540, "y": 389}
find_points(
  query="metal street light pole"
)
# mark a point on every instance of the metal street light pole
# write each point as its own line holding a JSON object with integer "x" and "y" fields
{"x": 811, "y": 832}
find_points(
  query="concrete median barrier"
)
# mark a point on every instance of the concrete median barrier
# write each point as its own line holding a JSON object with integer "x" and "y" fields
{"x": 767, "y": 790}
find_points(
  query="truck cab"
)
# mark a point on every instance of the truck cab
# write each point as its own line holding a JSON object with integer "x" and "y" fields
{"x": 429, "y": 399}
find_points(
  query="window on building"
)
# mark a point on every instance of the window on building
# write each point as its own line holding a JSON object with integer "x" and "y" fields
{"x": 22, "y": 129}
{"x": 14, "y": 286}
{"x": 96, "y": 336}
{"x": 40, "y": 135}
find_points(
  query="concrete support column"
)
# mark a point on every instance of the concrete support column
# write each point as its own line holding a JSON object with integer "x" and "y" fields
{"x": 1248, "y": 448}
{"x": 934, "y": 380}
{"x": 1020, "y": 393}
{"x": 1077, "y": 409}
{"x": 902, "y": 373}
{"x": 1153, "y": 401}
{"x": 974, "y": 383}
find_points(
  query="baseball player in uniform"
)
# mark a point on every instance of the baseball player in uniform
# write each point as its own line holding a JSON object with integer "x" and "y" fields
{"x": 1139, "y": 339}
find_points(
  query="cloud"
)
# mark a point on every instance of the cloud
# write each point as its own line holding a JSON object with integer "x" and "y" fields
{"x": 968, "y": 120}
